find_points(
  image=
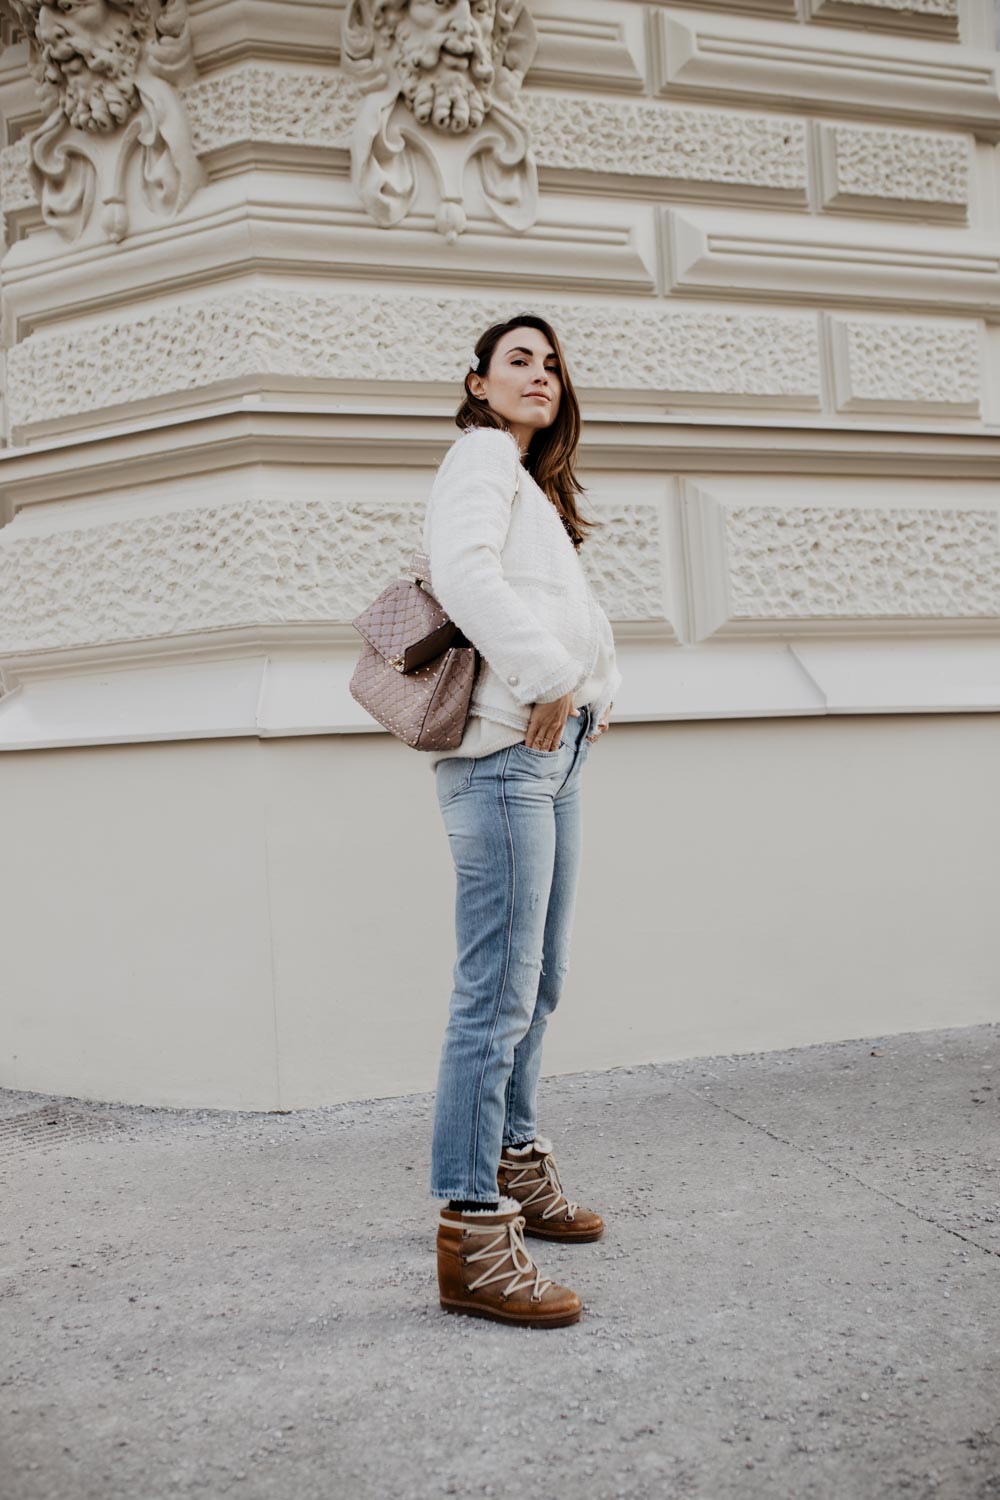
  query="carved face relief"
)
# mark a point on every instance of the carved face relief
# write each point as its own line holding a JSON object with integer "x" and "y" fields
{"x": 90, "y": 50}
{"x": 441, "y": 79}
{"x": 109, "y": 74}
{"x": 443, "y": 56}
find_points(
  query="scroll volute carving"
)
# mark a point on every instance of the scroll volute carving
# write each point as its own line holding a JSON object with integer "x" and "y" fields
{"x": 109, "y": 73}
{"x": 439, "y": 78}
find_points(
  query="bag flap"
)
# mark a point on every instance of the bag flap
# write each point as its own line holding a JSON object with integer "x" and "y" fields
{"x": 401, "y": 620}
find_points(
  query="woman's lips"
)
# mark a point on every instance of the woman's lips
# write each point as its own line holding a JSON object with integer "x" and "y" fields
{"x": 538, "y": 396}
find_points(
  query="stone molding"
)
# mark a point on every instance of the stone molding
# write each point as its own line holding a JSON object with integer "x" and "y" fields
{"x": 886, "y": 366}
{"x": 190, "y": 450}
{"x": 299, "y": 569}
{"x": 578, "y": 134}
{"x": 584, "y": 45}
{"x": 17, "y": 191}
{"x": 300, "y": 32}
{"x": 202, "y": 569}
{"x": 257, "y": 562}
{"x": 265, "y": 102}
{"x": 782, "y": 64}
{"x": 919, "y": 17}
{"x": 832, "y": 261}
{"x": 881, "y": 170}
{"x": 820, "y": 568}
{"x": 574, "y": 133}
{"x": 294, "y": 561}
{"x": 625, "y": 561}
{"x": 701, "y": 357}
{"x": 326, "y": 237}
{"x": 742, "y": 357}
{"x": 844, "y": 563}
{"x": 782, "y": 9}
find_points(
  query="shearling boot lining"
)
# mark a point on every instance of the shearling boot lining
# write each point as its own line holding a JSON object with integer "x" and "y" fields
{"x": 507, "y": 1206}
{"x": 540, "y": 1143}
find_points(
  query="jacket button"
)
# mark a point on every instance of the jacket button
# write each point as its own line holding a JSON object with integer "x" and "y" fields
{"x": 513, "y": 679}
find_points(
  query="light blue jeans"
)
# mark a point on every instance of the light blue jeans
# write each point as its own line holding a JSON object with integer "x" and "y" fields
{"x": 514, "y": 827}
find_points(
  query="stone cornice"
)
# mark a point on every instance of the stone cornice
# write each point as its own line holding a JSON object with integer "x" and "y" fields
{"x": 821, "y": 69}
{"x": 342, "y": 433}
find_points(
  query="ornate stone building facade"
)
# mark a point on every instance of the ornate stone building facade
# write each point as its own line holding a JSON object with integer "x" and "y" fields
{"x": 247, "y": 250}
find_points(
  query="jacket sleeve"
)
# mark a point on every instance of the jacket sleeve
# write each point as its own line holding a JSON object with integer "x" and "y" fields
{"x": 470, "y": 509}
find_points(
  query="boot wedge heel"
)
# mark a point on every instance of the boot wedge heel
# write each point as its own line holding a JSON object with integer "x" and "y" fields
{"x": 536, "y": 1320}
{"x": 565, "y": 1233}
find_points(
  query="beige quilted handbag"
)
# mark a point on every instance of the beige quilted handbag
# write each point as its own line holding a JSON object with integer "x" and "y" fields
{"x": 416, "y": 668}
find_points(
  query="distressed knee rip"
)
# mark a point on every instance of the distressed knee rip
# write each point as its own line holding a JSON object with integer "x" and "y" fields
{"x": 537, "y": 964}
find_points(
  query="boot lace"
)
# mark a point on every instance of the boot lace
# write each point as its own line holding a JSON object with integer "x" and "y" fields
{"x": 543, "y": 1178}
{"x": 508, "y": 1246}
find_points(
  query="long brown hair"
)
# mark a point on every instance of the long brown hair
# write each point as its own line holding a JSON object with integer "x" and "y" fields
{"x": 552, "y": 450}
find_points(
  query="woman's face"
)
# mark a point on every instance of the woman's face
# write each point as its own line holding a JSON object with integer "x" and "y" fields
{"x": 522, "y": 384}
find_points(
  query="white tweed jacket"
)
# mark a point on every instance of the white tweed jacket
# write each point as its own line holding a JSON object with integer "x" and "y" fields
{"x": 511, "y": 579}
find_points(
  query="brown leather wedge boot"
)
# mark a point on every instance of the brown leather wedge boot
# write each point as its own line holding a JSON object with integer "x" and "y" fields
{"x": 484, "y": 1270}
{"x": 530, "y": 1176}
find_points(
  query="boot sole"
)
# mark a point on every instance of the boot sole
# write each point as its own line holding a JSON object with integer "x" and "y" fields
{"x": 554, "y": 1320}
{"x": 566, "y": 1239}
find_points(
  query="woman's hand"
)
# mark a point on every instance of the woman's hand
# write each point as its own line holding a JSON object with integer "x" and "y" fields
{"x": 602, "y": 725}
{"x": 547, "y": 722}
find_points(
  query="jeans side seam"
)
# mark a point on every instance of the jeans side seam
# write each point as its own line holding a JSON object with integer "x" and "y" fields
{"x": 506, "y": 971}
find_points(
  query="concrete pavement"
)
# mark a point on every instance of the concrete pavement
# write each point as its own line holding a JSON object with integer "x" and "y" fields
{"x": 797, "y": 1295}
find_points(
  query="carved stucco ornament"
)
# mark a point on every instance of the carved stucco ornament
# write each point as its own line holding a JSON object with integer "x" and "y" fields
{"x": 438, "y": 79}
{"x": 109, "y": 73}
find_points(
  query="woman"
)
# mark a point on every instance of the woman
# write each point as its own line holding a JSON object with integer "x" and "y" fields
{"x": 502, "y": 532}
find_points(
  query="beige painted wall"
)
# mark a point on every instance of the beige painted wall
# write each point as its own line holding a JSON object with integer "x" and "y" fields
{"x": 261, "y": 924}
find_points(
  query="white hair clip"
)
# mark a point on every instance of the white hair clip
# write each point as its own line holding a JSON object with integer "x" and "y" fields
{"x": 474, "y": 362}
